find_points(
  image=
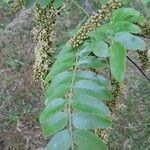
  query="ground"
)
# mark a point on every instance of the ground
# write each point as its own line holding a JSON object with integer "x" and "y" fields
{"x": 21, "y": 98}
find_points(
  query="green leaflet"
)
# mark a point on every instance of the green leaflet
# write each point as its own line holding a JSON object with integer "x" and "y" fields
{"x": 60, "y": 140}
{"x": 85, "y": 51}
{"x": 101, "y": 33}
{"x": 83, "y": 120}
{"x": 91, "y": 62}
{"x": 55, "y": 123}
{"x": 58, "y": 69}
{"x": 86, "y": 140}
{"x": 88, "y": 75}
{"x": 117, "y": 61}
{"x": 66, "y": 49}
{"x": 127, "y": 14}
{"x": 62, "y": 63}
{"x": 124, "y": 26}
{"x": 57, "y": 92}
{"x": 93, "y": 89}
{"x": 86, "y": 103}
{"x": 61, "y": 78}
{"x": 44, "y": 3}
{"x": 29, "y": 3}
{"x": 53, "y": 107}
{"x": 67, "y": 57}
{"x": 130, "y": 41}
{"x": 99, "y": 48}
{"x": 58, "y": 3}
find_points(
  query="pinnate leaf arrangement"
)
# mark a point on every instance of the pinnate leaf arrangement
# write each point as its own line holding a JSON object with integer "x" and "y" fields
{"x": 78, "y": 100}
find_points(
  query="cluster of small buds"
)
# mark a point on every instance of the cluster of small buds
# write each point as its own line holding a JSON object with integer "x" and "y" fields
{"x": 144, "y": 60}
{"x": 143, "y": 55}
{"x": 145, "y": 27}
{"x": 115, "y": 92}
{"x": 94, "y": 22}
{"x": 18, "y": 5}
{"x": 103, "y": 134}
{"x": 45, "y": 20}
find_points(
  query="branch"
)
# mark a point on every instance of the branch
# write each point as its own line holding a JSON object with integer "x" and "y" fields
{"x": 88, "y": 7}
{"x": 138, "y": 68}
{"x": 80, "y": 8}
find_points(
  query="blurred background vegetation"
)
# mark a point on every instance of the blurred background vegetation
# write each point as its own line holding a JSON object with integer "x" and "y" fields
{"x": 21, "y": 99}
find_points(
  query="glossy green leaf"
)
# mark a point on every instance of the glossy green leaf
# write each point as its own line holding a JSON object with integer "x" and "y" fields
{"x": 130, "y": 41}
{"x": 90, "y": 104}
{"x": 127, "y": 14}
{"x": 61, "y": 78}
{"x": 29, "y": 3}
{"x": 117, "y": 61}
{"x": 57, "y": 92}
{"x": 86, "y": 140}
{"x": 85, "y": 51}
{"x": 58, "y": 3}
{"x": 99, "y": 48}
{"x": 66, "y": 49}
{"x": 67, "y": 57}
{"x": 124, "y": 26}
{"x": 101, "y": 33}
{"x": 91, "y": 62}
{"x": 93, "y": 89}
{"x": 55, "y": 123}
{"x": 82, "y": 120}
{"x": 44, "y": 3}
{"x": 58, "y": 69}
{"x": 60, "y": 140}
{"x": 88, "y": 75}
{"x": 53, "y": 107}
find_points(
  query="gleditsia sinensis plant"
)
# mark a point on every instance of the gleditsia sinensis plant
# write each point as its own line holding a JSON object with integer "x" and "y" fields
{"x": 78, "y": 99}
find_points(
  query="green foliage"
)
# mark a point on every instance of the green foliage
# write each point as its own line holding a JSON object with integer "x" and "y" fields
{"x": 29, "y": 3}
{"x": 76, "y": 95}
{"x": 44, "y": 3}
{"x": 117, "y": 60}
{"x": 58, "y": 3}
{"x": 76, "y": 99}
{"x": 80, "y": 90}
{"x": 99, "y": 48}
{"x": 130, "y": 41}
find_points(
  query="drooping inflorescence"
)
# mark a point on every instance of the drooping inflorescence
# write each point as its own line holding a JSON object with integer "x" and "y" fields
{"x": 45, "y": 20}
{"x": 115, "y": 92}
{"x": 143, "y": 55}
{"x": 94, "y": 22}
{"x": 18, "y": 5}
{"x": 145, "y": 27}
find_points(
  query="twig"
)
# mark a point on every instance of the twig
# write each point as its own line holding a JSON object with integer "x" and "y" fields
{"x": 88, "y": 7}
{"x": 80, "y": 8}
{"x": 70, "y": 101}
{"x": 138, "y": 68}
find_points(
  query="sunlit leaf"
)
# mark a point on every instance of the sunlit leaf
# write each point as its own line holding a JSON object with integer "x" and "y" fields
{"x": 86, "y": 140}
{"x": 55, "y": 123}
{"x": 61, "y": 139}
{"x": 129, "y": 41}
{"x": 82, "y": 120}
{"x": 117, "y": 61}
{"x": 90, "y": 104}
{"x": 53, "y": 107}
